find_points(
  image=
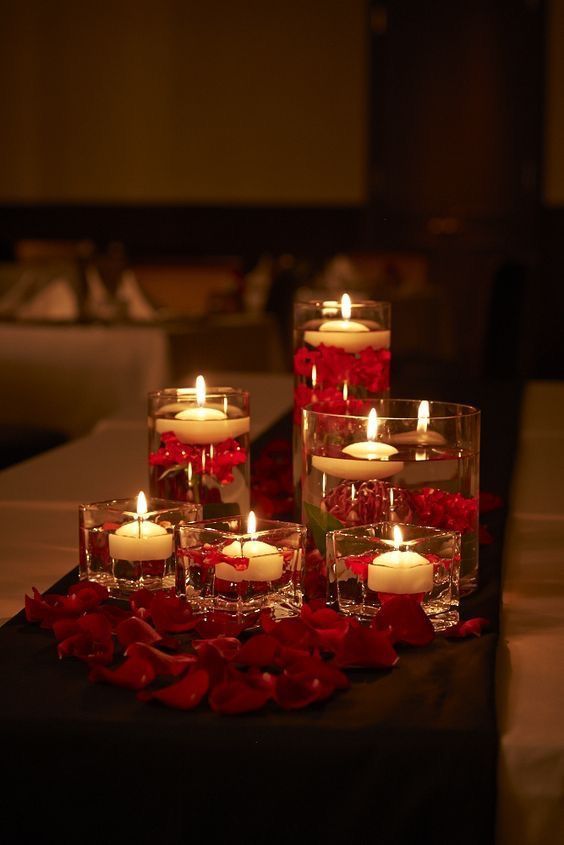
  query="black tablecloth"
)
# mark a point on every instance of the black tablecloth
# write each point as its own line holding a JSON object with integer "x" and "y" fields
{"x": 405, "y": 756}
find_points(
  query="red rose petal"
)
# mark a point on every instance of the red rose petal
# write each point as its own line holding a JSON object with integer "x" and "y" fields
{"x": 172, "y": 614}
{"x": 241, "y": 693}
{"x": 365, "y": 647}
{"x": 470, "y": 628}
{"x": 163, "y": 664}
{"x": 184, "y": 695}
{"x": 134, "y": 673}
{"x": 259, "y": 651}
{"x": 134, "y": 630}
{"x": 226, "y": 646}
{"x": 212, "y": 660}
{"x": 218, "y": 624}
{"x": 406, "y": 620}
{"x": 328, "y": 627}
{"x": 83, "y": 647}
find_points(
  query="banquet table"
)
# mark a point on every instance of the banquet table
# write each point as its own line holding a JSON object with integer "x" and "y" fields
{"x": 404, "y": 756}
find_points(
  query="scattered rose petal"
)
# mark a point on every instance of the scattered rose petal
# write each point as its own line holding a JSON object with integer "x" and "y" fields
{"x": 184, "y": 695}
{"x": 406, "y": 621}
{"x": 163, "y": 664}
{"x": 218, "y": 624}
{"x": 172, "y": 614}
{"x": 134, "y": 630}
{"x": 241, "y": 693}
{"x": 259, "y": 651}
{"x": 365, "y": 647}
{"x": 226, "y": 646}
{"x": 327, "y": 626}
{"x": 134, "y": 673}
{"x": 469, "y": 628}
{"x": 306, "y": 681}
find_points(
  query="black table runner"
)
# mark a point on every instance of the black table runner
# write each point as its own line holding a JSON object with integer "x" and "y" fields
{"x": 405, "y": 756}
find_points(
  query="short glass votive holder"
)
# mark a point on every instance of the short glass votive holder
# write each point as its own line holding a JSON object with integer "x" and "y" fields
{"x": 125, "y": 552}
{"x": 199, "y": 449}
{"x": 220, "y": 565}
{"x": 399, "y": 460}
{"x": 370, "y": 564}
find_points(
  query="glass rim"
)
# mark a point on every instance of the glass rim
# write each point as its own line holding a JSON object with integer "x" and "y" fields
{"x": 330, "y": 303}
{"x": 118, "y": 505}
{"x": 466, "y": 411}
{"x": 433, "y": 533}
{"x": 275, "y": 525}
{"x": 190, "y": 392}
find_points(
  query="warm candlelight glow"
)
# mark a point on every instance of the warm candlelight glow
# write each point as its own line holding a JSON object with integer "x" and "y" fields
{"x": 345, "y": 391}
{"x": 141, "y": 505}
{"x": 313, "y": 376}
{"x": 251, "y": 523}
{"x": 398, "y": 538}
{"x": 346, "y": 308}
{"x": 201, "y": 391}
{"x": 423, "y": 417}
{"x": 372, "y": 425}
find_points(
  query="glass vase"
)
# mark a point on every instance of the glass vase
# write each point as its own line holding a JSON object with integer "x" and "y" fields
{"x": 221, "y": 565}
{"x": 124, "y": 552}
{"x": 399, "y": 460}
{"x": 199, "y": 451}
{"x": 369, "y": 565}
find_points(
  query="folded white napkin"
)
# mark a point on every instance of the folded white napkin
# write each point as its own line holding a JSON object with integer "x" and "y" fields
{"x": 56, "y": 301}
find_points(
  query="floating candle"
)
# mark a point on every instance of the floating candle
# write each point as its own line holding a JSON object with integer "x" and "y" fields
{"x": 266, "y": 562}
{"x": 140, "y": 539}
{"x": 421, "y": 436}
{"x": 347, "y": 334}
{"x": 400, "y": 572}
{"x": 371, "y": 458}
{"x": 202, "y": 424}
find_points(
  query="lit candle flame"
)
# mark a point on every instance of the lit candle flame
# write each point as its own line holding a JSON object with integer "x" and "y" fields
{"x": 353, "y": 492}
{"x": 372, "y": 425}
{"x": 251, "y": 523}
{"x": 398, "y": 538}
{"x": 423, "y": 415}
{"x": 313, "y": 376}
{"x": 346, "y": 308}
{"x": 201, "y": 391}
{"x": 345, "y": 391}
{"x": 141, "y": 505}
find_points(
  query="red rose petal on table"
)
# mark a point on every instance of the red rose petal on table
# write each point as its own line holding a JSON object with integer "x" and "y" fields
{"x": 406, "y": 621}
{"x": 259, "y": 651}
{"x": 140, "y": 602}
{"x": 134, "y": 673}
{"x": 218, "y": 624}
{"x": 306, "y": 681}
{"x": 90, "y": 593}
{"x": 163, "y": 664}
{"x": 241, "y": 693}
{"x": 469, "y": 628}
{"x": 328, "y": 627}
{"x": 489, "y": 502}
{"x": 83, "y": 647}
{"x": 50, "y": 607}
{"x": 485, "y": 537}
{"x": 365, "y": 648}
{"x": 211, "y": 659}
{"x": 226, "y": 646}
{"x": 290, "y": 632}
{"x": 184, "y": 695}
{"x": 134, "y": 630}
{"x": 115, "y": 614}
{"x": 172, "y": 614}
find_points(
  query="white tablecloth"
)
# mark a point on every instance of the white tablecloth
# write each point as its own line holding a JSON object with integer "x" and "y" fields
{"x": 68, "y": 377}
{"x": 530, "y": 685}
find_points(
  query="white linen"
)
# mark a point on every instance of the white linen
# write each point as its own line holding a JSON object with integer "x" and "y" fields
{"x": 530, "y": 686}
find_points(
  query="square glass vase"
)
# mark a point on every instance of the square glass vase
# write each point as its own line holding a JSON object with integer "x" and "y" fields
{"x": 368, "y": 565}
{"x": 126, "y": 553}
{"x": 221, "y": 566}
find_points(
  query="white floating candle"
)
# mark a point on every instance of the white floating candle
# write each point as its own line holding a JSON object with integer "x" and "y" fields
{"x": 347, "y": 334}
{"x": 140, "y": 539}
{"x": 398, "y": 572}
{"x": 372, "y": 458}
{"x": 203, "y": 424}
{"x": 421, "y": 436}
{"x": 266, "y": 562}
